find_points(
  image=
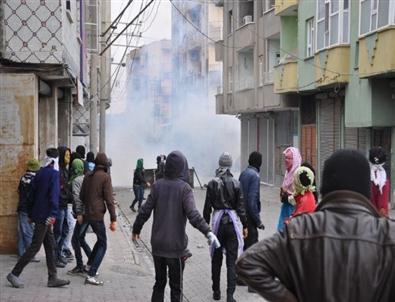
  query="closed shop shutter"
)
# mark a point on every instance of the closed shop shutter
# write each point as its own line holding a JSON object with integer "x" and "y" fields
{"x": 330, "y": 128}
{"x": 266, "y": 147}
{"x": 357, "y": 138}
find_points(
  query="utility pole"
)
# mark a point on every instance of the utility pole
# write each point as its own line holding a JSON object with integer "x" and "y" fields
{"x": 105, "y": 72}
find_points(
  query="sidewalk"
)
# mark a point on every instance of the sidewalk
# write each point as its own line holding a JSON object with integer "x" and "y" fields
{"x": 127, "y": 276}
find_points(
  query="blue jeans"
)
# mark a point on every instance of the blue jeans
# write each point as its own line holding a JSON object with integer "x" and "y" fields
{"x": 138, "y": 191}
{"x": 59, "y": 231}
{"x": 78, "y": 242}
{"x": 99, "y": 250}
{"x": 25, "y": 233}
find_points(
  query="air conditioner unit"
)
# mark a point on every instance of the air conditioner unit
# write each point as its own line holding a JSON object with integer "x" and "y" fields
{"x": 247, "y": 19}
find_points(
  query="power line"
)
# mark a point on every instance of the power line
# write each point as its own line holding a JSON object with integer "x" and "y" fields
{"x": 126, "y": 27}
{"x": 117, "y": 19}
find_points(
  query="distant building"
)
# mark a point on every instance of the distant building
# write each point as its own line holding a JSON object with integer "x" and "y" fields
{"x": 149, "y": 85}
{"x": 197, "y": 75}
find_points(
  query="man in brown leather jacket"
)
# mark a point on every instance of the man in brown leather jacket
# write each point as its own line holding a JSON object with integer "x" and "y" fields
{"x": 342, "y": 252}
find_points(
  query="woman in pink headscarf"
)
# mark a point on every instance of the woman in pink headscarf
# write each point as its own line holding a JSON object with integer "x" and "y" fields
{"x": 292, "y": 161}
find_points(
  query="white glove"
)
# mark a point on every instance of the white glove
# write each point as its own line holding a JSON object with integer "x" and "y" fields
{"x": 213, "y": 240}
{"x": 291, "y": 200}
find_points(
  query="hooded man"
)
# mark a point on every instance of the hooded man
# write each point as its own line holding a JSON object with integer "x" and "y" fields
{"x": 96, "y": 196}
{"x": 342, "y": 252}
{"x": 250, "y": 183}
{"x": 171, "y": 199}
{"x": 42, "y": 209}
{"x": 225, "y": 196}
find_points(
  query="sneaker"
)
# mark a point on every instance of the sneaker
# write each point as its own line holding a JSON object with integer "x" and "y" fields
{"x": 77, "y": 271}
{"x": 87, "y": 268}
{"x": 63, "y": 260}
{"x": 250, "y": 290}
{"x": 15, "y": 281}
{"x": 132, "y": 208}
{"x": 35, "y": 260}
{"x": 217, "y": 295}
{"x": 57, "y": 282}
{"x": 93, "y": 281}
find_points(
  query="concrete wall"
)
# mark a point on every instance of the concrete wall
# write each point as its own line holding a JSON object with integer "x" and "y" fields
{"x": 48, "y": 121}
{"x": 18, "y": 143}
{"x": 65, "y": 119}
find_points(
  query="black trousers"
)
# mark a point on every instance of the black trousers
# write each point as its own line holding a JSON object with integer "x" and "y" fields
{"x": 42, "y": 234}
{"x": 176, "y": 269}
{"x": 228, "y": 239}
{"x": 252, "y": 237}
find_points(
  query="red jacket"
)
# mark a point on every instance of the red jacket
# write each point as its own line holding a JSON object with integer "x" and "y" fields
{"x": 380, "y": 201}
{"x": 304, "y": 204}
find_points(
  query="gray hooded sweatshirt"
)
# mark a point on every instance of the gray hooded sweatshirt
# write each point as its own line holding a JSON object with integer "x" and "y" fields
{"x": 172, "y": 201}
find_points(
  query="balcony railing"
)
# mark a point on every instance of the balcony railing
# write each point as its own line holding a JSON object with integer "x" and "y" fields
{"x": 286, "y": 7}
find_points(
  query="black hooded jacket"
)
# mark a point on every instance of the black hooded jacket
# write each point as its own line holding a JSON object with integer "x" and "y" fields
{"x": 171, "y": 199}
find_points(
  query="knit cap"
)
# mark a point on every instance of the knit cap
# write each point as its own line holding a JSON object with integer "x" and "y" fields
{"x": 346, "y": 170}
{"x": 303, "y": 180}
{"x": 33, "y": 165}
{"x": 225, "y": 160}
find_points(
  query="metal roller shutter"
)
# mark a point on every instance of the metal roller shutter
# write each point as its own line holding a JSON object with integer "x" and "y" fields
{"x": 330, "y": 128}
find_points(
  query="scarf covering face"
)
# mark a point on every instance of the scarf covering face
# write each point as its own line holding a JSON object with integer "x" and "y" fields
{"x": 301, "y": 189}
{"x": 378, "y": 175}
{"x": 49, "y": 160}
{"x": 289, "y": 175}
{"x": 139, "y": 164}
{"x": 77, "y": 169}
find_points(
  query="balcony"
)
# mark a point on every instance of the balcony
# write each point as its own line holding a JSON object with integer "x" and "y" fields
{"x": 331, "y": 65}
{"x": 376, "y": 53}
{"x": 245, "y": 36}
{"x": 286, "y": 7}
{"x": 286, "y": 77}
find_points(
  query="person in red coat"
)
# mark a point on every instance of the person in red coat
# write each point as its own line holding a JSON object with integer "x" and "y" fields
{"x": 380, "y": 185}
{"x": 304, "y": 191}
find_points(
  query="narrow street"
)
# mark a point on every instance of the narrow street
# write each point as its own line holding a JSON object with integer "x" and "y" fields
{"x": 127, "y": 269}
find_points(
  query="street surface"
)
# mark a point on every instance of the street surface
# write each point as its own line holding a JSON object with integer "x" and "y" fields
{"x": 127, "y": 269}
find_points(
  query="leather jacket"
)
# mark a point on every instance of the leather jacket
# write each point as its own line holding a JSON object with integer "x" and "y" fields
{"x": 224, "y": 193}
{"x": 343, "y": 252}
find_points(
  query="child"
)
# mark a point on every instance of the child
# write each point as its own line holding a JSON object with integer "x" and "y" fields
{"x": 304, "y": 191}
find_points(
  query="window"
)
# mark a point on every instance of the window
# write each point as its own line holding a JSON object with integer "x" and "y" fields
{"x": 375, "y": 14}
{"x": 332, "y": 27}
{"x": 230, "y": 22}
{"x": 310, "y": 47}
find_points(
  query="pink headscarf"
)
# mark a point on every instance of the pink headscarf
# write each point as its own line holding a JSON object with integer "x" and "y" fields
{"x": 289, "y": 175}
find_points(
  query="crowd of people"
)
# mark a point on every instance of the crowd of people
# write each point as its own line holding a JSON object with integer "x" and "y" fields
{"x": 57, "y": 203}
{"x": 337, "y": 249}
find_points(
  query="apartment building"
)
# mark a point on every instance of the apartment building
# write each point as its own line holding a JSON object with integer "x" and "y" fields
{"x": 44, "y": 88}
{"x": 149, "y": 87}
{"x": 250, "y": 50}
{"x": 338, "y": 57}
{"x": 196, "y": 73}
